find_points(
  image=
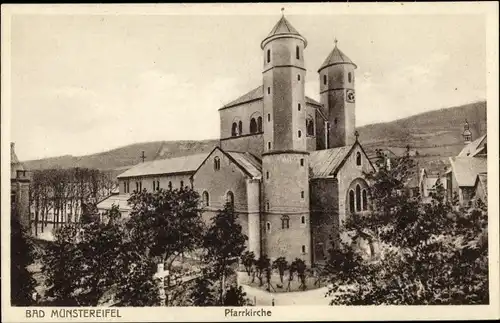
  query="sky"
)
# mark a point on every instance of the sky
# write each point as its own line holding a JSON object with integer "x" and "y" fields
{"x": 82, "y": 84}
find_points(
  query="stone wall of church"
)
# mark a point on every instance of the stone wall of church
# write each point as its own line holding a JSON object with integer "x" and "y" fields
{"x": 249, "y": 143}
{"x": 244, "y": 113}
{"x": 324, "y": 216}
{"x": 347, "y": 174}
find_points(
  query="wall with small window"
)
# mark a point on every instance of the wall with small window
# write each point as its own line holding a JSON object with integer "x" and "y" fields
{"x": 154, "y": 183}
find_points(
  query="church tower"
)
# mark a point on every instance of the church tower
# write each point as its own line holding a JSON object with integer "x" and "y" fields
{"x": 338, "y": 98}
{"x": 285, "y": 161}
{"x": 467, "y": 134}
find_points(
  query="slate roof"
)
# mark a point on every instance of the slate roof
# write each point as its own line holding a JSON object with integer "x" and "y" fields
{"x": 336, "y": 57}
{"x": 465, "y": 169}
{"x": 248, "y": 161}
{"x": 185, "y": 164}
{"x": 120, "y": 200}
{"x": 472, "y": 149}
{"x": 258, "y": 94}
{"x": 325, "y": 162}
{"x": 283, "y": 27}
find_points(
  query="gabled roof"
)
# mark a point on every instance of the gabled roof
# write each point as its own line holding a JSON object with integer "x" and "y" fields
{"x": 283, "y": 27}
{"x": 336, "y": 57}
{"x": 482, "y": 179}
{"x": 248, "y": 161}
{"x": 324, "y": 163}
{"x": 327, "y": 162}
{"x": 258, "y": 94}
{"x": 473, "y": 148}
{"x": 178, "y": 165}
{"x": 465, "y": 169}
{"x": 250, "y": 165}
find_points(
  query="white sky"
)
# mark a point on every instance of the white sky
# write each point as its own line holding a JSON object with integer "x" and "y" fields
{"x": 85, "y": 83}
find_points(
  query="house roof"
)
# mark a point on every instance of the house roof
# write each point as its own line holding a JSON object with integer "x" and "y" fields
{"x": 336, "y": 57}
{"x": 465, "y": 169}
{"x": 185, "y": 164}
{"x": 248, "y": 161}
{"x": 482, "y": 179}
{"x": 283, "y": 27}
{"x": 324, "y": 163}
{"x": 473, "y": 148}
{"x": 258, "y": 94}
{"x": 120, "y": 200}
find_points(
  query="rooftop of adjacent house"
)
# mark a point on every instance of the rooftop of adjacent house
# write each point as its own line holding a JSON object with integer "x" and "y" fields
{"x": 325, "y": 162}
{"x": 120, "y": 200}
{"x": 466, "y": 169}
{"x": 178, "y": 165}
{"x": 483, "y": 179}
{"x": 430, "y": 182}
{"x": 474, "y": 148}
{"x": 258, "y": 94}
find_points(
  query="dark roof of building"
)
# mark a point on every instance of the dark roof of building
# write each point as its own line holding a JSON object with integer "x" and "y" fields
{"x": 336, "y": 57}
{"x": 120, "y": 200}
{"x": 258, "y": 94}
{"x": 324, "y": 163}
{"x": 473, "y": 148}
{"x": 283, "y": 27}
{"x": 465, "y": 169}
{"x": 185, "y": 164}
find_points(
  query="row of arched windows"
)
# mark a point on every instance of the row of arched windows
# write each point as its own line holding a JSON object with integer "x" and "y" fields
{"x": 205, "y": 197}
{"x": 255, "y": 127}
{"x": 350, "y": 78}
{"x": 358, "y": 200}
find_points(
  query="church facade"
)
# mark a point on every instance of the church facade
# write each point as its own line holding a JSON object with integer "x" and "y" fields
{"x": 291, "y": 167}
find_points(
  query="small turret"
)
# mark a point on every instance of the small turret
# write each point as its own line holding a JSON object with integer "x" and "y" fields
{"x": 467, "y": 134}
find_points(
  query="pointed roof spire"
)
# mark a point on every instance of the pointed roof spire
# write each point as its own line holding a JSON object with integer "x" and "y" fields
{"x": 336, "y": 57}
{"x": 283, "y": 28}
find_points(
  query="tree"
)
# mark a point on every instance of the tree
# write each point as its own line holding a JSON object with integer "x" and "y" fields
{"x": 203, "y": 293}
{"x": 281, "y": 265}
{"x": 224, "y": 244}
{"x": 248, "y": 260}
{"x": 22, "y": 283}
{"x": 235, "y": 296}
{"x": 430, "y": 253}
{"x": 165, "y": 223}
{"x": 300, "y": 267}
{"x": 260, "y": 266}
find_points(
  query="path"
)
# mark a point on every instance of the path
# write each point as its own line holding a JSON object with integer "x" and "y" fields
{"x": 308, "y": 297}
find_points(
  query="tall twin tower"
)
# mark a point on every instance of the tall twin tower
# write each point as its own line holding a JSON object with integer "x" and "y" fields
{"x": 285, "y": 159}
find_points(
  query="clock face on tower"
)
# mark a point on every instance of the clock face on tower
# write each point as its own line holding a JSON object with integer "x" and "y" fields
{"x": 350, "y": 97}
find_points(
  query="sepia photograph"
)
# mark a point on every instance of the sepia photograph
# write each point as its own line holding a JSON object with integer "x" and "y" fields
{"x": 245, "y": 159}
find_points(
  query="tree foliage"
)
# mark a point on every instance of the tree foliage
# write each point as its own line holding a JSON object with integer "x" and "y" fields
{"x": 281, "y": 265}
{"x": 428, "y": 253}
{"x": 22, "y": 283}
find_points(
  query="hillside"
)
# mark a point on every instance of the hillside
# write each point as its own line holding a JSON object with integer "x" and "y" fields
{"x": 436, "y": 133}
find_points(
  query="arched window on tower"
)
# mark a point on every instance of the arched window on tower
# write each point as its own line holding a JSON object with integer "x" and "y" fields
{"x": 285, "y": 222}
{"x": 365, "y": 200}
{"x": 324, "y": 79}
{"x": 240, "y": 128}
{"x": 259, "y": 124}
{"x": 297, "y": 52}
{"x": 253, "y": 126}
{"x": 310, "y": 126}
{"x": 358, "y": 158}
{"x": 216, "y": 163}
{"x": 268, "y": 55}
{"x": 234, "y": 129}
{"x": 351, "y": 201}
{"x": 349, "y": 77}
{"x": 206, "y": 198}
{"x": 230, "y": 199}
{"x": 358, "y": 198}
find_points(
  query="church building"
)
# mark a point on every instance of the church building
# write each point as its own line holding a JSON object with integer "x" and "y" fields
{"x": 291, "y": 167}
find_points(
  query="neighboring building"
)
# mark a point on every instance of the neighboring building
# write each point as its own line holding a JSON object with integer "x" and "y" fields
{"x": 427, "y": 184}
{"x": 481, "y": 188}
{"x": 20, "y": 180}
{"x": 292, "y": 168}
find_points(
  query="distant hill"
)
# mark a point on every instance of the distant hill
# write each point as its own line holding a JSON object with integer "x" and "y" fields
{"x": 436, "y": 133}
